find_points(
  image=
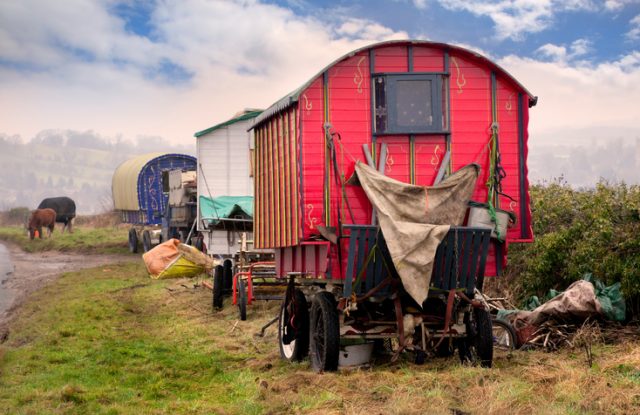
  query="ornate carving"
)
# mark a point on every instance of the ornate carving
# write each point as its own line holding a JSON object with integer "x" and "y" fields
{"x": 509, "y": 104}
{"x": 308, "y": 105}
{"x": 358, "y": 77}
{"x": 310, "y": 219}
{"x": 460, "y": 80}
{"x": 435, "y": 158}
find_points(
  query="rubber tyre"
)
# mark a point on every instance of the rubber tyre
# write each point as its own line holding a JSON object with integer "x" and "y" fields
{"x": 242, "y": 299}
{"x": 477, "y": 347}
{"x": 298, "y": 348}
{"x": 218, "y": 287}
{"x": 133, "y": 241}
{"x": 228, "y": 275}
{"x": 146, "y": 241}
{"x": 324, "y": 333}
{"x": 504, "y": 335}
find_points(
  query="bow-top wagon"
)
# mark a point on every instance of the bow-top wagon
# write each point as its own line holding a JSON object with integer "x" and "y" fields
{"x": 389, "y": 185}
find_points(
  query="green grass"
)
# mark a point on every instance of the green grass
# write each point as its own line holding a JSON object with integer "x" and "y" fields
{"x": 105, "y": 240}
{"x": 111, "y": 341}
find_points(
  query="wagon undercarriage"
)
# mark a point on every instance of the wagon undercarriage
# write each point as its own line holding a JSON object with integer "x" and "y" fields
{"x": 328, "y": 316}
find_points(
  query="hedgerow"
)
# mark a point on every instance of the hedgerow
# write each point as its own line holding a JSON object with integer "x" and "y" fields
{"x": 580, "y": 231}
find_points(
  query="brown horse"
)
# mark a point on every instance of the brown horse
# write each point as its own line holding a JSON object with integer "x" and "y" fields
{"x": 40, "y": 218}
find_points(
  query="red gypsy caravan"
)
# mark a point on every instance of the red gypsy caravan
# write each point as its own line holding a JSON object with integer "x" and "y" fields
{"x": 389, "y": 185}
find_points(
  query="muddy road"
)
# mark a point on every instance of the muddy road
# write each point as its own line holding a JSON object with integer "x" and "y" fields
{"x": 21, "y": 273}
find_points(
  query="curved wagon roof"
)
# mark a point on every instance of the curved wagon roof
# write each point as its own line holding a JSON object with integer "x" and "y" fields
{"x": 125, "y": 184}
{"x": 293, "y": 97}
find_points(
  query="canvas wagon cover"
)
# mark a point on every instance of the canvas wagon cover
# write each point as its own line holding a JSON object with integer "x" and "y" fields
{"x": 124, "y": 185}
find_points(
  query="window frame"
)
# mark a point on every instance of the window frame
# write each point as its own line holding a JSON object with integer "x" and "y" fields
{"x": 391, "y": 95}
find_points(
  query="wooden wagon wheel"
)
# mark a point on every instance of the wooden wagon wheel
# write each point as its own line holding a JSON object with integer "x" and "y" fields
{"x": 293, "y": 328}
{"x": 324, "y": 336}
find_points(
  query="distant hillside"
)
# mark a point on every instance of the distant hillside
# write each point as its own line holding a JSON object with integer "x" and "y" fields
{"x": 75, "y": 164}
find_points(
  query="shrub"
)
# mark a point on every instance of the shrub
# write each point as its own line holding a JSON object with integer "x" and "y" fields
{"x": 578, "y": 231}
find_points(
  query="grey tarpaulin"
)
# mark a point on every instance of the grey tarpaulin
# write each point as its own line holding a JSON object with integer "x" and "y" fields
{"x": 415, "y": 219}
{"x": 577, "y": 301}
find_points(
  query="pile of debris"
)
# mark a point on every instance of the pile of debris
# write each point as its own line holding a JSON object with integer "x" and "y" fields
{"x": 586, "y": 313}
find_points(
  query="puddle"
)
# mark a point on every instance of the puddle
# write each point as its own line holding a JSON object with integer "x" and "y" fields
{"x": 6, "y": 268}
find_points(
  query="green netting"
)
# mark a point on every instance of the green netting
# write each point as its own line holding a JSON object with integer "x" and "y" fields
{"x": 610, "y": 298}
{"x": 213, "y": 209}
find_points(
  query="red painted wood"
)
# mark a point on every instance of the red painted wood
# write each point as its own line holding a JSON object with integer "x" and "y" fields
{"x": 391, "y": 59}
{"x": 396, "y": 162}
{"x": 427, "y": 59}
{"x": 349, "y": 112}
{"x": 429, "y": 151}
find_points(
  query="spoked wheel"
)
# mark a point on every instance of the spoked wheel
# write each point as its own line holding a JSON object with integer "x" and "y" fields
{"x": 293, "y": 328}
{"x": 324, "y": 338}
{"x": 242, "y": 299}
{"x": 146, "y": 241}
{"x": 477, "y": 347}
{"x": 133, "y": 241}
{"x": 504, "y": 336}
{"x": 218, "y": 285}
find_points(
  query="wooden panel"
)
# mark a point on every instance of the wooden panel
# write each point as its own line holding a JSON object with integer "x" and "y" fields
{"x": 313, "y": 163}
{"x": 391, "y": 59}
{"x": 427, "y": 59}
{"x": 429, "y": 151}
{"x": 398, "y": 157}
{"x": 350, "y": 115}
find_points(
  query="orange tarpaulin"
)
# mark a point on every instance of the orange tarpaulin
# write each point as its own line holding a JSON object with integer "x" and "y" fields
{"x": 173, "y": 259}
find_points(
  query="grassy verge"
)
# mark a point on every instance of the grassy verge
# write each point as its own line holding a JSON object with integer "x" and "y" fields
{"x": 111, "y": 341}
{"x": 108, "y": 240}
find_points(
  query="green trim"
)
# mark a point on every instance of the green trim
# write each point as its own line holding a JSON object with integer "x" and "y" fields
{"x": 243, "y": 117}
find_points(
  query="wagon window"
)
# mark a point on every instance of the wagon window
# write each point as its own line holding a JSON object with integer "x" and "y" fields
{"x": 408, "y": 103}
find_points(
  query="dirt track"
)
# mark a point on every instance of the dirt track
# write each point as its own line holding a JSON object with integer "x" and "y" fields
{"x": 33, "y": 270}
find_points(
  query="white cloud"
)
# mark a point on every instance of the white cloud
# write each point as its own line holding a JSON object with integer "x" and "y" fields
{"x": 560, "y": 53}
{"x": 74, "y": 65}
{"x": 617, "y": 5}
{"x": 420, "y": 4}
{"x": 515, "y": 18}
{"x": 576, "y": 100}
{"x": 634, "y": 33}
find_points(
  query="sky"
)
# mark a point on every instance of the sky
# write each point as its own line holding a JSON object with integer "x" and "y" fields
{"x": 170, "y": 68}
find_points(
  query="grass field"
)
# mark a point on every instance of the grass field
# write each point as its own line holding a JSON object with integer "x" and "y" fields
{"x": 111, "y": 341}
{"x": 106, "y": 240}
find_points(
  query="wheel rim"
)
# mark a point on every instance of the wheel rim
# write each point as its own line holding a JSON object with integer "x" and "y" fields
{"x": 502, "y": 338}
{"x": 287, "y": 349}
{"x": 319, "y": 339}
